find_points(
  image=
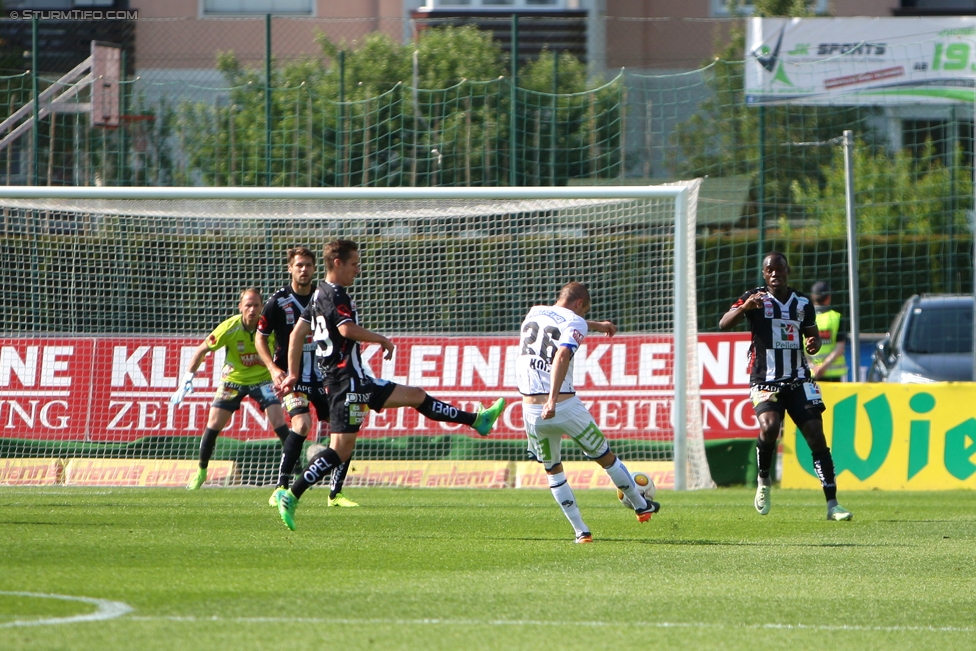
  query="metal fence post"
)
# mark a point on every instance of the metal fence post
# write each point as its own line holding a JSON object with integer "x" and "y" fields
{"x": 852, "y": 256}
{"x": 35, "y": 93}
{"x": 267, "y": 100}
{"x": 513, "y": 116}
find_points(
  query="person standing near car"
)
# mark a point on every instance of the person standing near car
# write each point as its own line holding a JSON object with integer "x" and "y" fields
{"x": 828, "y": 364}
{"x": 783, "y": 326}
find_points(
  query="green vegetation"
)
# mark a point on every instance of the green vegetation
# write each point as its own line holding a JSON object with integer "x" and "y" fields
{"x": 356, "y": 116}
{"x": 453, "y": 569}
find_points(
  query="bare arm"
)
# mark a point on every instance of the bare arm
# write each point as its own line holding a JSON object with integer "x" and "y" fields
{"x": 198, "y": 355}
{"x": 732, "y": 318}
{"x": 811, "y": 338}
{"x": 296, "y": 345}
{"x": 185, "y": 386}
{"x": 559, "y": 368}
{"x": 350, "y": 330}
{"x": 264, "y": 352}
{"x": 606, "y": 327}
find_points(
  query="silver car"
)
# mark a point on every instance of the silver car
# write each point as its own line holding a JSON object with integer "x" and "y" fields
{"x": 930, "y": 340}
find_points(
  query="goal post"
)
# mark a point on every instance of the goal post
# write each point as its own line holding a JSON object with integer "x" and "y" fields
{"x": 448, "y": 271}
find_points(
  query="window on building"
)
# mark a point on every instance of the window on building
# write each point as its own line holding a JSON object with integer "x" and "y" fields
{"x": 232, "y": 7}
{"x": 747, "y": 7}
{"x": 433, "y": 5}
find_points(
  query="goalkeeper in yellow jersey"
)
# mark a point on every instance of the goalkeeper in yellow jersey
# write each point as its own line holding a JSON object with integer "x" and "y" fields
{"x": 243, "y": 375}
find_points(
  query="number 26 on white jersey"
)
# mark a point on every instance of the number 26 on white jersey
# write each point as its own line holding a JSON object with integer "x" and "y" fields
{"x": 544, "y": 347}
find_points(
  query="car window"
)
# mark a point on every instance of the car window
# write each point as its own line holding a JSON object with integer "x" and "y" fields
{"x": 940, "y": 330}
{"x": 899, "y": 320}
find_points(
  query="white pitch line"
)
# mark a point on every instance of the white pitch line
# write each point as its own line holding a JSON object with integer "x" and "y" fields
{"x": 529, "y": 622}
{"x": 106, "y": 610}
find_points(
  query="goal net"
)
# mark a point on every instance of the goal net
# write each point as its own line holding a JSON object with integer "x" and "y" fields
{"x": 108, "y": 290}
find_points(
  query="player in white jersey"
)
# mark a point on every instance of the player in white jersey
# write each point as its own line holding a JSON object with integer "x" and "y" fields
{"x": 551, "y": 409}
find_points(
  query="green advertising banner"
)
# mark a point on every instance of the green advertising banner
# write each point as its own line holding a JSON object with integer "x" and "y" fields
{"x": 892, "y": 436}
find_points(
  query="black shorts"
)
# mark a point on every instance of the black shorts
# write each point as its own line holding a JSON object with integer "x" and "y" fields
{"x": 302, "y": 396}
{"x": 230, "y": 394}
{"x": 351, "y": 400}
{"x": 800, "y": 399}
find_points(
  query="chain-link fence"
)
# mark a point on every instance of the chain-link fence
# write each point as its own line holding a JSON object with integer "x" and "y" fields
{"x": 400, "y": 102}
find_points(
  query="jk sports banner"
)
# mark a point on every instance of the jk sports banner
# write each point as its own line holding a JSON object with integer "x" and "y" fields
{"x": 860, "y": 61}
{"x": 118, "y": 388}
{"x": 892, "y": 436}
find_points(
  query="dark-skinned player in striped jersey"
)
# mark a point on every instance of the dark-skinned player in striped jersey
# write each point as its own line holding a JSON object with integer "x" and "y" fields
{"x": 333, "y": 320}
{"x": 783, "y": 324}
{"x": 279, "y": 316}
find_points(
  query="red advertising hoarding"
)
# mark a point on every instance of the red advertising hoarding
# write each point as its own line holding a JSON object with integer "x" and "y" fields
{"x": 118, "y": 388}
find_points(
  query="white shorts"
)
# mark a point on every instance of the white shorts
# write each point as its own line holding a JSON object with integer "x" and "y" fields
{"x": 572, "y": 419}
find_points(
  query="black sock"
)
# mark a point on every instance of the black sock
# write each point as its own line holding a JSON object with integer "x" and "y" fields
{"x": 823, "y": 465}
{"x": 339, "y": 478}
{"x": 291, "y": 450}
{"x": 207, "y": 445}
{"x": 764, "y": 456}
{"x": 282, "y": 433}
{"x": 320, "y": 466}
{"x": 434, "y": 409}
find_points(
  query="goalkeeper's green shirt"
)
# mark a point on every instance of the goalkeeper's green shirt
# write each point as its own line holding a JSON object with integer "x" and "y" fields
{"x": 243, "y": 364}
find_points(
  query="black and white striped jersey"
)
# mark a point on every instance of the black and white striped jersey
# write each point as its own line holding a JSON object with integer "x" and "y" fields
{"x": 338, "y": 357}
{"x": 279, "y": 316}
{"x": 777, "y": 329}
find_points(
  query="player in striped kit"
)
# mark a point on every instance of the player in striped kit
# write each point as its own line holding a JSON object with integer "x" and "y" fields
{"x": 332, "y": 319}
{"x": 278, "y": 318}
{"x": 783, "y": 324}
{"x": 551, "y": 409}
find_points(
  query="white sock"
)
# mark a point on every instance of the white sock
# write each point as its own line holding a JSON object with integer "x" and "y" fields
{"x": 563, "y": 493}
{"x": 621, "y": 478}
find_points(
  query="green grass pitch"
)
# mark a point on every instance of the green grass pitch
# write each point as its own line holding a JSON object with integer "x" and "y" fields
{"x": 481, "y": 569}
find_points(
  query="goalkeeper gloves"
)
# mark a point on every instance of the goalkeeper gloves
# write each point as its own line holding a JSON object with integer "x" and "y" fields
{"x": 185, "y": 389}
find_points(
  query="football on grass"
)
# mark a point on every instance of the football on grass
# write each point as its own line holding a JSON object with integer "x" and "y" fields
{"x": 645, "y": 486}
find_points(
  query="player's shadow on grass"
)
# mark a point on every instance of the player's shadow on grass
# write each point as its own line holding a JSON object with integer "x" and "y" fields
{"x": 717, "y": 543}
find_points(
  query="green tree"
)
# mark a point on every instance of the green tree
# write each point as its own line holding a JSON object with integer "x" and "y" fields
{"x": 363, "y": 122}
{"x": 895, "y": 194}
{"x": 723, "y": 138}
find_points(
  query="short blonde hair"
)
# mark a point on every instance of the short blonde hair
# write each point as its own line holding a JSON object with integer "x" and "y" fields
{"x": 250, "y": 290}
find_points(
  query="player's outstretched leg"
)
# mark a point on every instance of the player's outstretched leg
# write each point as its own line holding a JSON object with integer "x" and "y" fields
{"x": 487, "y": 417}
